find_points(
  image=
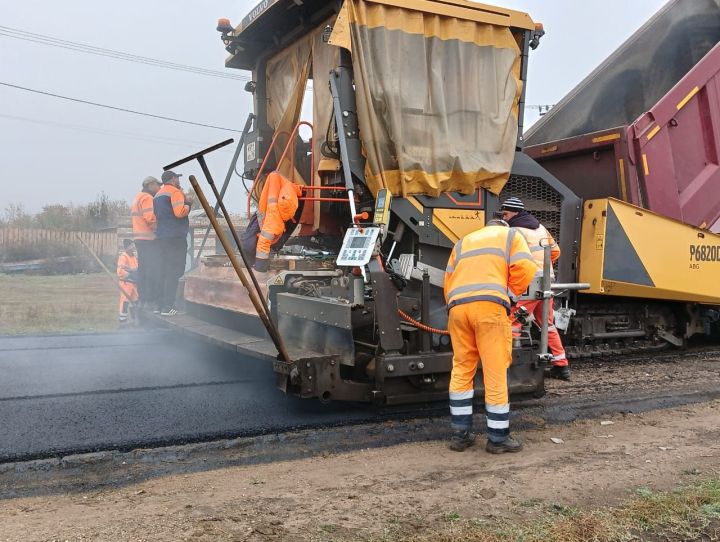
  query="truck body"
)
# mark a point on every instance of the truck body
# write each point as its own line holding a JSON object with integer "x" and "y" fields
{"x": 665, "y": 161}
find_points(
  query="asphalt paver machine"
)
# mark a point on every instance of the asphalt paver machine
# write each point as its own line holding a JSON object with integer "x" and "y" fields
{"x": 417, "y": 113}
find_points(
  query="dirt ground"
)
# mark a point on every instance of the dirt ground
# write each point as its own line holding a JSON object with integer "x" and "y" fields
{"x": 391, "y": 493}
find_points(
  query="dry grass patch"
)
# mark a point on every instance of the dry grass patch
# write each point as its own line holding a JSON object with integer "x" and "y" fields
{"x": 688, "y": 513}
{"x": 57, "y": 304}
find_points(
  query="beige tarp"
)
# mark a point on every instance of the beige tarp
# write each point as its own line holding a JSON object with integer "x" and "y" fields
{"x": 287, "y": 77}
{"x": 437, "y": 98}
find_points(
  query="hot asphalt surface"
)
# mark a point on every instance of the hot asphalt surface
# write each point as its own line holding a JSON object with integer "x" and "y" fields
{"x": 79, "y": 393}
{"x": 73, "y": 394}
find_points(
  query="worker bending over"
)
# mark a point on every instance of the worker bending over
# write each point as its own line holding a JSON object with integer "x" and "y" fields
{"x": 143, "y": 226}
{"x": 273, "y": 221}
{"x": 487, "y": 270}
{"x": 127, "y": 272}
{"x": 536, "y": 235}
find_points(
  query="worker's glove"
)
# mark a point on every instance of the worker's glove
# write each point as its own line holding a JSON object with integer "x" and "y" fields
{"x": 132, "y": 276}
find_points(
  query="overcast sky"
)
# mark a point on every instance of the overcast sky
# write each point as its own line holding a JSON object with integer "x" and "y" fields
{"x": 55, "y": 151}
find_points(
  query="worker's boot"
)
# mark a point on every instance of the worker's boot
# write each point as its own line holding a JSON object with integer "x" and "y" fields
{"x": 461, "y": 440}
{"x": 509, "y": 445}
{"x": 560, "y": 372}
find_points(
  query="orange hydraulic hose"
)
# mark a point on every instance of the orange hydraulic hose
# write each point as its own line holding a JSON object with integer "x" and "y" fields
{"x": 405, "y": 316}
{"x": 421, "y": 326}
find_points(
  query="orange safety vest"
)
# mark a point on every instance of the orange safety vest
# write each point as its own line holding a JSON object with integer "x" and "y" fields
{"x": 534, "y": 239}
{"x": 278, "y": 203}
{"x": 143, "y": 217}
{"x": 491, "y": 264}
{"x": 126, "y": 263}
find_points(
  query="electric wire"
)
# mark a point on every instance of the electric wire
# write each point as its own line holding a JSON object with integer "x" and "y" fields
{"x": 115, "y": 108}
{"x": 41, "y": 39}
{"x": 149, "y": 138}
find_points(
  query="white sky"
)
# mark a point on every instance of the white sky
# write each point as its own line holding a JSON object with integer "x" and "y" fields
{"x": 43, "y": 161}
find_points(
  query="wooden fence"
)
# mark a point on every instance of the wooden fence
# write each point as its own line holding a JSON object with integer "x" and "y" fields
{"x": 104, "y": 243}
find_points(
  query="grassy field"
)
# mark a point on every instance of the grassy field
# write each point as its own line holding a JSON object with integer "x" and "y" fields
{"x": 688, "y": 513}
{"x": 57, "y": 304}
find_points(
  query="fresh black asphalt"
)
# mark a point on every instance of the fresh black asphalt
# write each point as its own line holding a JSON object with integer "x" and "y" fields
{"x": 79, "y": 393}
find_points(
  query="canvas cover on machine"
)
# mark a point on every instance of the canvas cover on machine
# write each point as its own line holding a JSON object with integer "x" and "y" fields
{"x": 287, "y": 76}
{"x": 437, "y": 98}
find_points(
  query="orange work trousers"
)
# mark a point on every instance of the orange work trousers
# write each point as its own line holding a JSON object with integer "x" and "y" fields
{"x": 132, "y": 292}
{"x": 554, "y": 342}
{"x": 481, "y": 333}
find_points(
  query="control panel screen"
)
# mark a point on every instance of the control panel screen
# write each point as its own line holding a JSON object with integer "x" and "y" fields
{"x": 357, "y": 242}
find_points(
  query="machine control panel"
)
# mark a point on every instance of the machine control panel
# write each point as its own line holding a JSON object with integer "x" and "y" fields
{"x": 358, "y": 245}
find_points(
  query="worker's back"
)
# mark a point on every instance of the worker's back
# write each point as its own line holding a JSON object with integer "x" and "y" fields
{"x": 491, "y": 264}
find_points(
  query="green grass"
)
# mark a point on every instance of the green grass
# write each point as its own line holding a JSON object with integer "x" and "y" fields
{"x": 57, "y": 304}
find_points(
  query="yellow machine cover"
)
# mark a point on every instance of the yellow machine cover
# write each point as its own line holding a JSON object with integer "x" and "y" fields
{"x": 438, "y": 86}
{"x": 632, "y": 252}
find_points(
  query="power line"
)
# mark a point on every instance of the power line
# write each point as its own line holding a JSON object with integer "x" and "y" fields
{"x": 110, "y": 53}
{"x": 114, "y": 108}
{"x": 115, "y": 133}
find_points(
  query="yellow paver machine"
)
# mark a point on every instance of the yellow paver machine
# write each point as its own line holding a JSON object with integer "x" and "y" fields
{"x": 417, "y": 116}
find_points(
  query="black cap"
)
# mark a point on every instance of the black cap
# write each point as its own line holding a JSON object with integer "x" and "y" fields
{"x": 127, "y": 243}
{"x": 169, "y": 176}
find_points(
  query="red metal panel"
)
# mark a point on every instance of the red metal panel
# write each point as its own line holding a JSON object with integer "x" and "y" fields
{"x": 667, "y": 160}
{"x": 596, "y": 165}
{"x": 676, "y": 147}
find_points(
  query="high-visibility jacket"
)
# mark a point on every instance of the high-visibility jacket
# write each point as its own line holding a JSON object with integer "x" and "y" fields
{"x": 491, "y": 264}
{"x": 143, "y": 217}
{"x": 127, "y": 267}
{"x": 171, "y": 212}
{"x": 278, "y": 203}
{"x": 534, "y": 239}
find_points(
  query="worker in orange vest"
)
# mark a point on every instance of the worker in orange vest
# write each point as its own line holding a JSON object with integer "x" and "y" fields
{"x": 277, "y": 206}
{"x": 536, "y": 235}
{"x": 143, "y": 226}
{"x": 127, "y": 272}
{"x": 487, "y": 270}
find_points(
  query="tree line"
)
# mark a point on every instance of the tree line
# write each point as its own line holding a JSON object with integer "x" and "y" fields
{"x": 99, "y": 214}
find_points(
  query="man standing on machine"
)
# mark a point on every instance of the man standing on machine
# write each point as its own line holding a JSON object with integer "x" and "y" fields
{"x": 487, "y": 270}
{"x": 536, "y": 235}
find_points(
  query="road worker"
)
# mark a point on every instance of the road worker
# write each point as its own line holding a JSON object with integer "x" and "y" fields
{"x": 536, "y": 235}
{"x": 143, "y": 226}
{"x": 276, "y": 211}
{"x": 171, "y": 208}
{"x": 127, "y": 272}
{"x": 487, "y": 270}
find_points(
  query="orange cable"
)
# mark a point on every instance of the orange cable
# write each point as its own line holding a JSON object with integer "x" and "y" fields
{"x": 421, "y": 326}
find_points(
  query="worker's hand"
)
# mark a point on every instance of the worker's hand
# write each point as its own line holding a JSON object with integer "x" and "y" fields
{"x": 189, "y": 200}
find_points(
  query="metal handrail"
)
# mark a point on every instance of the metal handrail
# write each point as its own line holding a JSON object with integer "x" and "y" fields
{"x": 288, "y": 146}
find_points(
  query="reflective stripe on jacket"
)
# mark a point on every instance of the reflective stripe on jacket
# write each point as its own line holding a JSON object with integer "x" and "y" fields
{"x": 278, "y": 203}
{"x": 171, "y": 213}
{"x": 490, "y": 264}
{"x": 143, "y": 217}
{"x": 534, "y": 239}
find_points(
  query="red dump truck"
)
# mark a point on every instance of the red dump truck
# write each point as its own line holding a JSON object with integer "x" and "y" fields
{"x": 645, "y": 126}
